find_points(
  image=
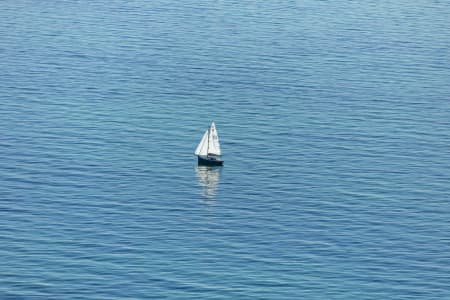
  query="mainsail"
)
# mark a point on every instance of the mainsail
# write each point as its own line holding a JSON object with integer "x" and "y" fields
{"x": 214, "y": 145}
{"x": 209, "y": 143}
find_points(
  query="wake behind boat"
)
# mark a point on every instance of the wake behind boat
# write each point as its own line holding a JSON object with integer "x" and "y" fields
{"x": 208, "y": 150}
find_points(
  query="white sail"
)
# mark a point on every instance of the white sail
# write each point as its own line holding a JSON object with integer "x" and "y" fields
{"x": 214, "y": 145}
{"x": 209, "y": 143}
{"x": 202, "y": 148}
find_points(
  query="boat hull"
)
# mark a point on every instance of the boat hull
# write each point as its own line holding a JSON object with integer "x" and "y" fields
{"x": 209, "y": 161}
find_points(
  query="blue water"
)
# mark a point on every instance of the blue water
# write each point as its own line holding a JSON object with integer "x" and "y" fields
{"x": 334, "y": 120}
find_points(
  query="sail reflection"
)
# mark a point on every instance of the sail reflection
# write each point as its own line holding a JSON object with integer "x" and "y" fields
{"x": 208, "y": 178}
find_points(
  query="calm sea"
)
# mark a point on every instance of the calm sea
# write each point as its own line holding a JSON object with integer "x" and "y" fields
{"x": 334, "y": 120}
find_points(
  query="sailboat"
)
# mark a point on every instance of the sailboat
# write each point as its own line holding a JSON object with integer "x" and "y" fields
{"x": 208, "y": 150}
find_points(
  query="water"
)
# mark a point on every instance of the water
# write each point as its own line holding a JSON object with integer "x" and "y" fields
{"x": 334, "y": 123}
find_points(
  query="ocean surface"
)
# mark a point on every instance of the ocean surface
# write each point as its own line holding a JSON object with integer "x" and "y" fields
{"x": 334, "y": 122}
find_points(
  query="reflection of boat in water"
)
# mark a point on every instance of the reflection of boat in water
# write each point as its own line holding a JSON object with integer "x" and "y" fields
{"x": 208, "y": 178}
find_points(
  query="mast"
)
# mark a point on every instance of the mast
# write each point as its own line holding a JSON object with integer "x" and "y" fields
{"x": 209, "y": 133}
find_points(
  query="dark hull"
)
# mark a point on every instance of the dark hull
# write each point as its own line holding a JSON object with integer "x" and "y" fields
{"x": 209, "y": 161}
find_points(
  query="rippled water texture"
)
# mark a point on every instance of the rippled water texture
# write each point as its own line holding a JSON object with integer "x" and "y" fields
{"x": 333, "y": 118}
